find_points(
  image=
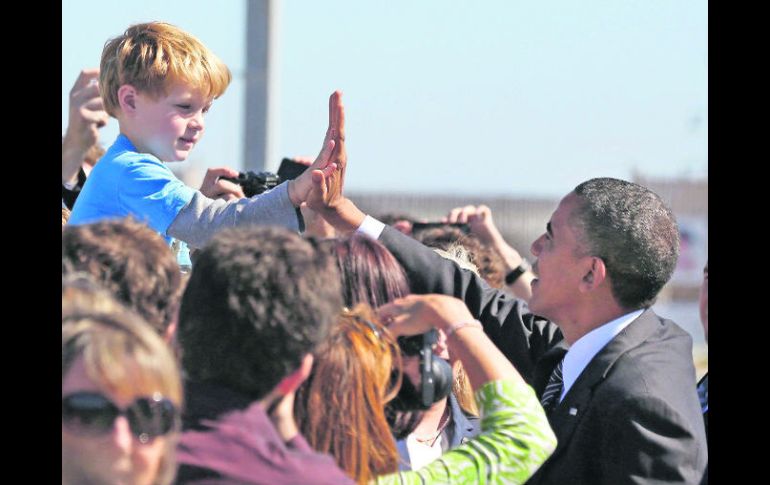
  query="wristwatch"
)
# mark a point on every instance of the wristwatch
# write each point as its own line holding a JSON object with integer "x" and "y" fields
{"x": 515, "y": 273}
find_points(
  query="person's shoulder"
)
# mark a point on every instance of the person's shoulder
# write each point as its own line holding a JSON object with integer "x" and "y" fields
{"x": 137, "y": 159}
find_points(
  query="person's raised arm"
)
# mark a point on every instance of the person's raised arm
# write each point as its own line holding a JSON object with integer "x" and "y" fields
{"x": 86, "y": 116}
{"x": 515, "y": 435}
{"x": 479, "y": 218}
{"x": 416, "y": 314}
{"x": 331, "y": 161}
{"x": 202, "y": 217}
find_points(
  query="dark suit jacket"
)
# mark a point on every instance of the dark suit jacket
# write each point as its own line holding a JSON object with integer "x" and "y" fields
{"x": 632, "y": 416}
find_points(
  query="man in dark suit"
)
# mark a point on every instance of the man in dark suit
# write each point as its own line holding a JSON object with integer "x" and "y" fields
{"x": 617, "y": 380}
{"x": 703, "y": 384}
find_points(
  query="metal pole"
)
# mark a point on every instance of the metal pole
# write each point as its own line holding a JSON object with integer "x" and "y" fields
{"x": 261, "y": 86}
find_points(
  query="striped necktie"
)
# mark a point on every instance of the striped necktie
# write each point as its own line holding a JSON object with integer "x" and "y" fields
{"x": 553, "y": 388}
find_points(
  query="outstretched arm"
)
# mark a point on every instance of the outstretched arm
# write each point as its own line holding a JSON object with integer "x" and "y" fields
{"x": 479, "y": 218}
{"x": 331, "y": 161}
{"x": 86, "y": 116}
{"x": 516, "y": 437}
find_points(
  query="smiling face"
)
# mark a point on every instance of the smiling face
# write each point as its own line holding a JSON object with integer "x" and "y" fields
{"x": 116, "y": 457}
{"x": 168, "y": 126}
{"x": 558, "y": 267}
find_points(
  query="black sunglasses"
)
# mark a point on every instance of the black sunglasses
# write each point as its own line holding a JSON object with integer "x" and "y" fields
{"x": 90, "y": 413}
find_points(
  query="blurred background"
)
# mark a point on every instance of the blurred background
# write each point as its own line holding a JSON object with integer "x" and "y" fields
{"x": 449, "y": 103}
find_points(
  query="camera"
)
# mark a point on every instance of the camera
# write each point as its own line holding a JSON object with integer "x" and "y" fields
{"x": 425, "y": 226}
{"x": 435, "y": 374}
{"x": 256, "y": 183}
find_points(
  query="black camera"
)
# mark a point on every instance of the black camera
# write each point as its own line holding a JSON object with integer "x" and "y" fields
{"x": 424, "y": 226}
{"x": 255, "y": 183}
{"x": 435, "y": 374}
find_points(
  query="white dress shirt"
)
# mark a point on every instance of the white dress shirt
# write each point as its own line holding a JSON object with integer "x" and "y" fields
{"x": 371, "y": 227}
{"x": 585, "y": 349}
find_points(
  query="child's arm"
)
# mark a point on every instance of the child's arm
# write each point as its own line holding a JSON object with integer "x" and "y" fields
{"x": 203, "y": 217}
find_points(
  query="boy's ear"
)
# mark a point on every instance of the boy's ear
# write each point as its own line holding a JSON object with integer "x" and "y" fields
{"x": 127, "y": 98}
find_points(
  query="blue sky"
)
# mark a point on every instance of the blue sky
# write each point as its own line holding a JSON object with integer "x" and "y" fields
{"x": 489, "y": 98}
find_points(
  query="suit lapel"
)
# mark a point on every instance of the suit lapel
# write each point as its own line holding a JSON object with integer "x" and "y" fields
{"x": 566, "y": 415}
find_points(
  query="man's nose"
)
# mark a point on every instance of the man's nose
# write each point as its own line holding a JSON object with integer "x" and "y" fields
{"x": 536, "y": 246}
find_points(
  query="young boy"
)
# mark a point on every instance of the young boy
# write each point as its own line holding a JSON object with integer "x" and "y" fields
{"x": 158, "y": 82}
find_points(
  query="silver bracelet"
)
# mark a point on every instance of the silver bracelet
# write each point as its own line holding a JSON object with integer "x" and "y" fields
{"x": 457, "y": 326}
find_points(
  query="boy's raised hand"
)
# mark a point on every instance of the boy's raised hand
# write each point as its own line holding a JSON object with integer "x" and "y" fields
{"x": 332, "y": 160}
{"x": 86, "y": 116}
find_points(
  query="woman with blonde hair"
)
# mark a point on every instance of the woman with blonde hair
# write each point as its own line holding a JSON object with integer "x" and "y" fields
{"x": 357, "y": 370}
{"x": 121, "y": 399}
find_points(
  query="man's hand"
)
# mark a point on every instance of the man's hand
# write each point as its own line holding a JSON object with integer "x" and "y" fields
{"x": 214, "y": 187}
{"x": 86, "y": 116}
{"x": 315, "y": 225}
{"x": 479, "y": 218}
{"x": 332, "y": 159}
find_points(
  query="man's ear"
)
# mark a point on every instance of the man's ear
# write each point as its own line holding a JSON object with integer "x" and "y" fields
{"x": 595, "y": 274}
{"x": 291, "y": 382}
{"x": 127, "y": 98}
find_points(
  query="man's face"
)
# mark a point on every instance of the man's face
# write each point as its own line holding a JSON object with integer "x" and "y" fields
{"x": 556, "y": 288}
{"x": 171, "y": 125}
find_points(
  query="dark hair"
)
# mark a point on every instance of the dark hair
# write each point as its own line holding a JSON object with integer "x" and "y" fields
{"x": 630, "y": 228}
{"x": 370, "y": 273}
{"x": 391, "y": 218}
{"x": 130, "y": 260}
{"x": 489, "y": 264}
{"x": 258, "y": 300}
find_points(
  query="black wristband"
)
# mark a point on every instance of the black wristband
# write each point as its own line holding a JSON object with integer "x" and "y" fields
{"x": 514, "y": 275}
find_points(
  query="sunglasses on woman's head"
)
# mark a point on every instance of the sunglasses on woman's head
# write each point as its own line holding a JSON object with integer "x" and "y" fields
{"x": 91, "y": 413}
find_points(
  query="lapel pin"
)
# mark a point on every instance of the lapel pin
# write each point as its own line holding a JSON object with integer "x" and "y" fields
{"x": 573, "y": 411}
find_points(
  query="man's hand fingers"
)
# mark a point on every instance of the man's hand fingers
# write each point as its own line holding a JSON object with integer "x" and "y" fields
{"x": 328, "y": 171}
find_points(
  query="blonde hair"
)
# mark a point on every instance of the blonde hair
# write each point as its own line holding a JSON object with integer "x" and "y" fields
{"x": 122, "y": 354}
{"x": 341, "y": 407}
{"x": 152, "y": 56}
{"x": 461, "y": 385}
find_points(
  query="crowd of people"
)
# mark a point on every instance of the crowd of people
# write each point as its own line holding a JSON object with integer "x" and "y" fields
{"x": 288, "y": 337}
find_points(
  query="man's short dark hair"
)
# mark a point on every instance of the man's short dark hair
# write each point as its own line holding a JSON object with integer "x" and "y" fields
{"x": 131, "y": 261}
{"x": 630, "y": 228}
{"x": 258, "y": 300}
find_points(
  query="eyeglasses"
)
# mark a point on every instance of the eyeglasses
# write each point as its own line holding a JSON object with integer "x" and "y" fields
{"x": 90, "y": 413}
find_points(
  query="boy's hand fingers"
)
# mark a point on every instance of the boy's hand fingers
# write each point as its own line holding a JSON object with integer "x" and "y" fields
{"x": 324, "y": 156}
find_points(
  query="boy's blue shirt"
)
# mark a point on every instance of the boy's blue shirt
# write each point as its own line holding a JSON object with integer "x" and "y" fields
{"x": 126, "y": 182}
